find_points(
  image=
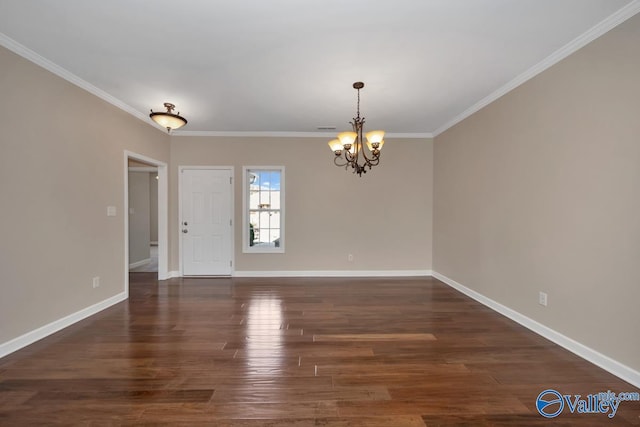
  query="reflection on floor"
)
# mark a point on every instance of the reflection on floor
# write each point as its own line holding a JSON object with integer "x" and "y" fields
{"x": 298, "y": 352}
{"x": 152, "y": 266}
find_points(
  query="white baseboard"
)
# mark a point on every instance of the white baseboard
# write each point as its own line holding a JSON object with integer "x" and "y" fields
{"x": 140, "y": 263}
{"x": 605, "y": 362}
{"x": 173, "y": 274}
{"x": 53, "y": 327}
{"x": 334, "y": 273}
{"x": 325, "y": 273}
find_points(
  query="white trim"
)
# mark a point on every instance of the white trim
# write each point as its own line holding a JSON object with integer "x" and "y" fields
{"x": 574, "y": 45}
{"x": 180, "y": 270}
{"x": 605, "y": 362}
{"x": 336, "y": 273}
{"x": 142, "y": 169}
{"x": 232, "y": 169}
{"x": 163, "y": 215}
{"x": 53, "y": 327}
{"x": 163, "y": 221}
{"x": 140, "y": 263}
{"x": 173, "y": 274}
{"x": 409, "y": 135}
{"x": 43, "y": 62}
{"x": 275, "y": 134}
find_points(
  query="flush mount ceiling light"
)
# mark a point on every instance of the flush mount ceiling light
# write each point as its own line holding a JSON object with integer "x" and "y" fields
{"x": 168, "y": 119}
{"x": 349, "y": 149}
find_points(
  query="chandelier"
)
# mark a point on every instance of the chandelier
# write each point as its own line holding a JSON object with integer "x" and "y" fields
{"x": 349, "y": 149}
{"x": 168, "y": 119}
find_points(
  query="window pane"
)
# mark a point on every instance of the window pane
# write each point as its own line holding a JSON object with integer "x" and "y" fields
{"x": 254, "y": 198}
{"x": 264, "y": 203}
{"x": 264, "y": 220}
{"x": 274, "y": 220}
{"x": 254, "y": 188}
{"x": 252, "y": 235}
{"x": 254, "y": 180}
{"x": 274, "y": 180}
{"x": 274, "y": 237}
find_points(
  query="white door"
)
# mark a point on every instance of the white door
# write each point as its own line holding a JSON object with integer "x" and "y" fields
{"x": 206, "y": 226}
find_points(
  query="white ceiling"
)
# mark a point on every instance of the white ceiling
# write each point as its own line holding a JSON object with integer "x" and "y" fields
{"x": 288, "y": 65}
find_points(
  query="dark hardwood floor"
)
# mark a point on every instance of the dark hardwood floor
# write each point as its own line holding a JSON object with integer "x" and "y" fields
{"x": 297, "y": 352}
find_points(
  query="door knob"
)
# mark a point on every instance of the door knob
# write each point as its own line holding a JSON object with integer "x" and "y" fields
{"x": 185, "y": 231}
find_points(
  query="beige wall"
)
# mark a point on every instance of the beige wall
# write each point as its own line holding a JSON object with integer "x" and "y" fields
{"x": 383, "y": 218}
{"x": 540, "y": 191}
{"x": 61, "y": 165}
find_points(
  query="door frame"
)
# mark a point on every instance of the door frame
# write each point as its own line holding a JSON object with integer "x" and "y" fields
{"x": 163, "y": 215}
{"x": 232, "y": 207}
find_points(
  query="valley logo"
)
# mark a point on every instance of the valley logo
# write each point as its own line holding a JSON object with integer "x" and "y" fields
{"x": 550, "y": 403}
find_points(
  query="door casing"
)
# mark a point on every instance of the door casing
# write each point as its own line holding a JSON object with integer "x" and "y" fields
{"x": 163, "y": 215}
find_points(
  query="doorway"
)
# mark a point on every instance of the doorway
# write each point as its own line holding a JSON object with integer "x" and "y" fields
{"x": 161, "y": 172}
{"x": 143, "y": 218}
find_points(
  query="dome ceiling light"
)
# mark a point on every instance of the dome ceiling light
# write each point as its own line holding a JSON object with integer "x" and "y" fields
{"x": 168, "y": 119}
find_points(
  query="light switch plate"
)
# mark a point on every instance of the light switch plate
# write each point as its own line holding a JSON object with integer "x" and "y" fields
{"x": 111, "y": 211}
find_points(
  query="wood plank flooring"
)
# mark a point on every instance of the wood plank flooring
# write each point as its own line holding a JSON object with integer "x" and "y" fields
{"x": 297, "y": 352}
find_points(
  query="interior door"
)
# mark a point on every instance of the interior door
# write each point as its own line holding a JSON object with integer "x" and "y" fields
{"x": 206, "y": 226}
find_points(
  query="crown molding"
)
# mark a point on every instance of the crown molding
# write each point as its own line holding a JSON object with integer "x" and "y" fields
{"x": 579, "y": 42}
{"x": 43, "y": 62}
{"x": 598, "y": 30}
{"x": 48, "y": 65}
{"x": 409, "y": 135}
{"x": 267, "y": 134}
{"x": 258, "y": 134}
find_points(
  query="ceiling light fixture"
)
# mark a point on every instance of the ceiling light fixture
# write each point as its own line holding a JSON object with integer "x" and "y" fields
{"x": 168, "y": 119}
{"x": 351, "y": 144}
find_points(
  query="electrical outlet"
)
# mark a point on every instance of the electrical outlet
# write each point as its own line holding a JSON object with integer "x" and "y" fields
{"x": 542, "y": 299}
{"x": 96, "y": 282}
{"x": 350, "y": 257}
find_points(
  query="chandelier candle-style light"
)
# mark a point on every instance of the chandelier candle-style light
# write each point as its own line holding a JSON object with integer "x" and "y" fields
{"x": 168, "y": 119}
{"x": 349, "y": 149}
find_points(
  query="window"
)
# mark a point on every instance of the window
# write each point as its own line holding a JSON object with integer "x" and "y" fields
{"x": 263, "y": 209}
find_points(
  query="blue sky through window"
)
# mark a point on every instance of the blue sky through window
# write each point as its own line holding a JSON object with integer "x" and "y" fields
{"x": 268, "y": 180}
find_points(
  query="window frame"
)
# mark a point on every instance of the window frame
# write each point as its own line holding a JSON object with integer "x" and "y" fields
{"x": 246, "y": 248}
